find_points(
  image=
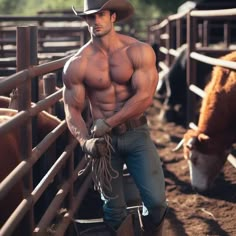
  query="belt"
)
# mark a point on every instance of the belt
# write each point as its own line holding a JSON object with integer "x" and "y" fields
{"x": 129, "y": 125}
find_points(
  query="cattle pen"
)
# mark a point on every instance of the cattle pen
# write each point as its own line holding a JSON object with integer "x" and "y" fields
{"x": 22, "y": 80}
{"x": 28, "y": 62}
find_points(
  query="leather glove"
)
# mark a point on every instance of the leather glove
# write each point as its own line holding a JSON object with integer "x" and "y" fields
{"x": 100, "y": 128}
{"x": 96, "y": 147}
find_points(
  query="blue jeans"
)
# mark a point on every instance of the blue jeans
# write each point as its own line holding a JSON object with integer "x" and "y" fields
{"x": 136, "y": 149}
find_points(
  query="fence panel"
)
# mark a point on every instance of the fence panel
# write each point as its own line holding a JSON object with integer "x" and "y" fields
{"x": 32, "y": 154}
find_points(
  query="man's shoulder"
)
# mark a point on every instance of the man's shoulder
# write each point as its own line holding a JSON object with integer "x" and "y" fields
{"x": 129, "y": 41}
{"x": 80, "y": 56}
{"x": 77, "y": 63}
{"x": 134, "y": 45}
{"x": 139, "y": 45}
{"x": 140, "y": 53}
{"x": 140, "y": 48}
{"x": 83, "y": 52}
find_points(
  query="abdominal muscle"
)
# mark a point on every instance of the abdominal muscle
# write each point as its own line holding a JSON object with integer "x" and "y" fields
{"x": 106, "y": 102}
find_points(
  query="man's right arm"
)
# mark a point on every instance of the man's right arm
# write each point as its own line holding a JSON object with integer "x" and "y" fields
{"x": 74, "y": 100}
{"x": 74, "y": 103}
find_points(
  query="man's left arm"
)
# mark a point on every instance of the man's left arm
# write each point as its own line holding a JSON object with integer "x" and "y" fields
{"x": 144, "y": 81}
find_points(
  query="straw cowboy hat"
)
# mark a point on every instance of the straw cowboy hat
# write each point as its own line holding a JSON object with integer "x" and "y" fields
{"x": 122, "y": 8}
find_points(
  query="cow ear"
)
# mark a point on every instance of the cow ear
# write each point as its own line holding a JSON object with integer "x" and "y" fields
{"x": 203, "y": 137}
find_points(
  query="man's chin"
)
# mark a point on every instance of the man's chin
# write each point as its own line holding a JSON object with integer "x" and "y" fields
{"x": 98, "y": 35}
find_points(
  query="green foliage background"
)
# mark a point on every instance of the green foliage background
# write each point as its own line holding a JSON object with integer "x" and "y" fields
{"x": 144, "y": 8}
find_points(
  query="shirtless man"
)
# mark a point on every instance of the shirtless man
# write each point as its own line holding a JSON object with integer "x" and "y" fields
{"x": 117, "y": 74}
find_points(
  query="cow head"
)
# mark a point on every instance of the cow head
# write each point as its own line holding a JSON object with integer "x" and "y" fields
{"x": 205, "y": 161}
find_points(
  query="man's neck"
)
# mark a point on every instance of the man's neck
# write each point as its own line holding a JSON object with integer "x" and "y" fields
{"x": 107, "y": 43}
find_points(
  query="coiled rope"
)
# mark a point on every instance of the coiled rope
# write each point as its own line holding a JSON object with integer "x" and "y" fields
{"x": 102, "y": 170}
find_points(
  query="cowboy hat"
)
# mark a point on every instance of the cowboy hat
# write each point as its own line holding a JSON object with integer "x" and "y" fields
{"x": 122, "y": 8}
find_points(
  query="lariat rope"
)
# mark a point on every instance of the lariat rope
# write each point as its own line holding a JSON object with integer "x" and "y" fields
{"x": 102, "y": 170}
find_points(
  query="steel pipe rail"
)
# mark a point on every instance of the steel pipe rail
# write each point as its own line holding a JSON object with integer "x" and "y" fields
{"x": 48, "y": 178}
{"x": 20, "y": 77}
{"x": 55, "y": 204}
{"x": 213, "y": 61}
{"x": 159, "y": 26}
{"x": 23, "y": 167}
{"x": 177, "y": 16}
{"x": 207, "y": 14}
{"x": 76, "y": 203}
{"x": 25, "y": 205}
{"x": 23, "y": 116}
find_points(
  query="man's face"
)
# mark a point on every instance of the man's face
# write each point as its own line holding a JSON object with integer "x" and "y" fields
{"x": 101, "y": 23}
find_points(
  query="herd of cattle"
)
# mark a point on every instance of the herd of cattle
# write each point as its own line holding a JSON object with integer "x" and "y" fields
{"x": 206, "y": 148}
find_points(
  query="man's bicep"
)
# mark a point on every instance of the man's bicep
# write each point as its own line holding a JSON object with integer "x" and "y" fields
{"x": 145, "y": 72}
{"x": 145, "y": 80}
{"x": 74, "y": 98}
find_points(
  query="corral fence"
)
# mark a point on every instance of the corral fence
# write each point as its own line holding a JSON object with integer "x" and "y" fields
{"x": 206, "y": 34}
{"x": 66, "y": 197}
{"x": 58, "y": 33}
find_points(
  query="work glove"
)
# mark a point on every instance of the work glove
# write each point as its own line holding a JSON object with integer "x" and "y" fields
{"x": 95, "y": 147}
{"x": 100, "y": 128}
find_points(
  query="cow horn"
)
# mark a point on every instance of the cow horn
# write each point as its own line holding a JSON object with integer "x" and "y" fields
{"x": 193, "y": 126}
{"x": 179, "y": 145}
{"x": 190, "y": 142}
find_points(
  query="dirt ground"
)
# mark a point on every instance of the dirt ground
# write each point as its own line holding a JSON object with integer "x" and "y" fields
{"x": 192, "y": 214}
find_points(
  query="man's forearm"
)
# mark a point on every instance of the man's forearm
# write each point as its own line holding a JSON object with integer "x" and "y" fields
{"x": 133, "y": 108}
{"x": 80, "y": 132}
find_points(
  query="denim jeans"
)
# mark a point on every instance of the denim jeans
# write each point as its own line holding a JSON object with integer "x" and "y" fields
{"x": 136, "y": 149}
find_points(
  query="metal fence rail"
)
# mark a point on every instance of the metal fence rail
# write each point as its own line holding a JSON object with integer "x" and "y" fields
{"x": 193, "y": 29}
{"x": 31, "y": 154}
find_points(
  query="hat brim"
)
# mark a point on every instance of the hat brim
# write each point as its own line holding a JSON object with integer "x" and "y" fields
{"x": 123, "y": 9}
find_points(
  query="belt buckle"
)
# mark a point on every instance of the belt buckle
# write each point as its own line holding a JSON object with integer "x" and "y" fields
{"x": 129, "y": 125}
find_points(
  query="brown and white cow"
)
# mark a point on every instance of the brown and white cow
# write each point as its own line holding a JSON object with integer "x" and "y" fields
{"x": 207, "y": 147}
{"x": 10, "y": 158}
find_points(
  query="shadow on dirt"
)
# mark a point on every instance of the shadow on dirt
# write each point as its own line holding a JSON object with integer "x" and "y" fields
{"x": 213, "y": 226}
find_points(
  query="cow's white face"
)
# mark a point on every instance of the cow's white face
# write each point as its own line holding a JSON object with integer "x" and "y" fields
{"x": 204, "y": 168}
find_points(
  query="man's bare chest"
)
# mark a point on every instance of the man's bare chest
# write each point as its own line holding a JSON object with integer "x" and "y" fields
{"x": 104, "y": 70}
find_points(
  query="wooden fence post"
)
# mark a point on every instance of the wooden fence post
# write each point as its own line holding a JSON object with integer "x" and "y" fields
{"x": 191, "y": 67}
{"x": 24, "y": 54}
